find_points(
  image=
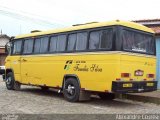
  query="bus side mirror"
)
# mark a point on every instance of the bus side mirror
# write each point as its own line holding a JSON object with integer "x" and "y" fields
{"x": 6, "y": 50}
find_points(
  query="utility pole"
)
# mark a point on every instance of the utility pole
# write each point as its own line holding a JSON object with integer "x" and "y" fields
{"x": 1, "y": 31}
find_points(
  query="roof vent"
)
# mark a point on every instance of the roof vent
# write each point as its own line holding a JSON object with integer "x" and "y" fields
{"x": 117, "y": 20}
{"x": 34, "y": 31}
{"x": 85, "y": 23}
{"x": 91, "y": 22}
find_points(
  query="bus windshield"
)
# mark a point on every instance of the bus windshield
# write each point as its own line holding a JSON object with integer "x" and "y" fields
{"x": 138, "y": 42}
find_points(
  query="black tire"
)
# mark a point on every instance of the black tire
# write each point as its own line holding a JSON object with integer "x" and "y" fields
{"x": 11, "y": 84}
{"x": 71, "y": 90}
{"x": 44, "y": 88}
{"x": 107, "y": 96}
{"x": 17, "y": 86}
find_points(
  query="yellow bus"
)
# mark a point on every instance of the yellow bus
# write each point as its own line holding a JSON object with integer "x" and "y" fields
{"x": 94, "y": 58}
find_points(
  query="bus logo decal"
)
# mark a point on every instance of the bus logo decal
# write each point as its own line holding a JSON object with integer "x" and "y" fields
{"x": 68, "y": 64}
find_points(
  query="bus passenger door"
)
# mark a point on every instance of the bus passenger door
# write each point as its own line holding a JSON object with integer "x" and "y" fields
{"x": 26, "y": 66}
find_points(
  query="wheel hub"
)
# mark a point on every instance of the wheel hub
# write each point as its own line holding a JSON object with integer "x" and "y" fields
{"x": 8, "y": 81}
{"x": 70, "y": 89}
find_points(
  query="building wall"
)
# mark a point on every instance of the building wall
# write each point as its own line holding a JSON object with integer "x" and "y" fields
{"x": 3, "y": 40}
{"x": 2, "y": 59}
{"x": 2, "y": 56}
{"x": 2, "y": 50}
{"x": 158, "y": 61}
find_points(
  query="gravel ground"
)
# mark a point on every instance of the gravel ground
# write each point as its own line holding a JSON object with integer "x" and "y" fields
{"x": 32, "y": 100}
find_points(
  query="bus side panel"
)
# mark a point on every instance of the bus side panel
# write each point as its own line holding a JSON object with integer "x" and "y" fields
{"x": 95, "y": 71}
{"x": 42, "y": 70}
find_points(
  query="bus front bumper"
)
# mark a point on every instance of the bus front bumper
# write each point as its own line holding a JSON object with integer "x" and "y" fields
{"x": 133, "y": 86}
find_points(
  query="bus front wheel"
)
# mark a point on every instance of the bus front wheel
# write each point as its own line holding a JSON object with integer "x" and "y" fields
{"x": 71, "y": 90}
{"x": 11, "y": 84}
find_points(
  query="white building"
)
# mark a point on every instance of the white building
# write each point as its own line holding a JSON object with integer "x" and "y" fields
{"x": 3, "y": 40}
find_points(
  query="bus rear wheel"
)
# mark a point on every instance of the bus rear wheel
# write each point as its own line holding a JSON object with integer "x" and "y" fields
{"x": 71, "y": 90}
{"x": 11, "y": 84}
{"x": 107, "y": 96}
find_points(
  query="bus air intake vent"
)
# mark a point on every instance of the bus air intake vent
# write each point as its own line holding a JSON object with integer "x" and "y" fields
{"x": 85, "y": 23}
{"x": 34, "y": 31}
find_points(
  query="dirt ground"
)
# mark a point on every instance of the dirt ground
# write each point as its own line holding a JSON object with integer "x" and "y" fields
{"x": 32, "y": 100}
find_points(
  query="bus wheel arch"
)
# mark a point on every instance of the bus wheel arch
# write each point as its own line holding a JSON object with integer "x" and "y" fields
{"x": 71, "y": 76}
{"x": 9, "y": 70}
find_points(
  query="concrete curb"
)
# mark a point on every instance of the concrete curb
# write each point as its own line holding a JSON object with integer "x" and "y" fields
{"x": 140, "y": 98}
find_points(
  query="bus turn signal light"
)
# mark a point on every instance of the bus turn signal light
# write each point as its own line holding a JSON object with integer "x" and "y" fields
{"x": 125, "y": 75}
{"x": 118, "y": 79}
{"x": 150, "y": 75}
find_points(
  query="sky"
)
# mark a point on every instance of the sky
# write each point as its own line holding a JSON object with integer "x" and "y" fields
{"x": 22, "y": 16}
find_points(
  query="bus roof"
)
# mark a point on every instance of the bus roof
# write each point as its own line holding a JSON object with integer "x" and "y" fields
{"x": 90, "y": 25}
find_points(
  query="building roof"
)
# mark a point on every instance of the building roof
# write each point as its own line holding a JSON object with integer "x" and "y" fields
{"x": 4, "y": 36}
{"x": 3, "y": 40}
{"x": 147, "y": 20}
{"x": 90, "y": 25}
{"x": 154, "y": 24}
{"x": 156, "y": 29}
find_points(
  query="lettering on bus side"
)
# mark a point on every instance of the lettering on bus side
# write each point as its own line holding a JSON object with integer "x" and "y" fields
{"x": 82, "y": 66}
{"x": 149, "y": 63}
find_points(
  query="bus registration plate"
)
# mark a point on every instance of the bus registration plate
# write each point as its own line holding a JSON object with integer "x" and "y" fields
{"x": 127, "y": 85}
{"x": 150, "y": 84}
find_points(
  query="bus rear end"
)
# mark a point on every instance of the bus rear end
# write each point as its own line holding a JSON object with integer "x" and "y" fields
{"x": 137, "y": 66}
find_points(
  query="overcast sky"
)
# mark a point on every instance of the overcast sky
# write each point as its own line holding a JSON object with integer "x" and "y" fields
{"x": 22, "y": 16}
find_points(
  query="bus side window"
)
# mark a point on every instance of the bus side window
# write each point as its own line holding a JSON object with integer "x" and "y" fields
{"x": 41, "y": 45}
{"x": 37, "y": 45}
{"x": 44, "y": 44}
{"x": 81, "y": 43}
{"x": 106, "y": 39}
{"x": 72, "y": 38}
{"x": 17, "y": 45}
{"x": 28, "y": 46}
{"x": 53, "y": 44}
{"x": 61, "y": 43}
{"x": 101, "y": 39}
{"x": 94, "y": 40}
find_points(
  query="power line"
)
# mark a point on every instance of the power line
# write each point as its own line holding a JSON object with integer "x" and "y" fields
{"x": 6, "y": 12}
